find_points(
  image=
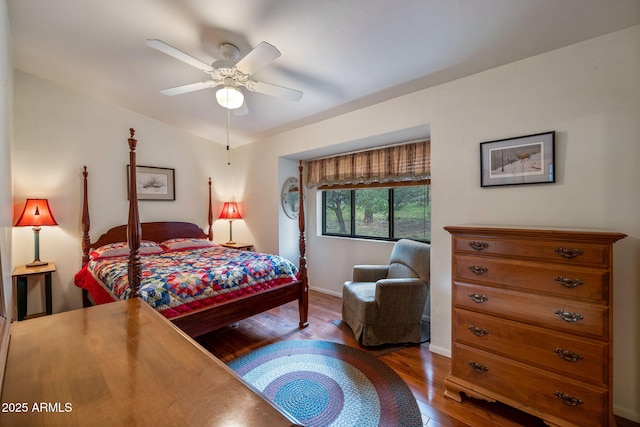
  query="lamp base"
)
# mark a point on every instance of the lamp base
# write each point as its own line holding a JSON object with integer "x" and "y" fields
{"x": 230, "y": 242}
{"x": 37, "y": 263}
{"x": 36, "y": 249}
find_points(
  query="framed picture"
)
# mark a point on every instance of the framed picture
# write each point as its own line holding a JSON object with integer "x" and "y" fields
{"x": 153, "y": 183}
{"x": 524, "y": 160}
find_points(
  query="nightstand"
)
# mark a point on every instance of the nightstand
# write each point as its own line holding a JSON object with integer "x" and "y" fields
{"x": 238, "y": 245}
{"x": 22, "y": 273}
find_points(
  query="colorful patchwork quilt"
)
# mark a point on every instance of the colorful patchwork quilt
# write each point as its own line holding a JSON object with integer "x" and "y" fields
{"x": 177, "y": 282}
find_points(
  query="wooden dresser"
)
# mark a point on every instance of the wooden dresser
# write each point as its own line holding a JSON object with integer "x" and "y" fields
{"x": 532, "y": 321}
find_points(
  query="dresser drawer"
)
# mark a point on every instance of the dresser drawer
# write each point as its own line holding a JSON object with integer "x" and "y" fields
{"x": 546, "y": 278}
{"x": 581, "y": 358}
{"x": 574, "y": 253}
{"x": 573, "y": 401}
{"x": 545, "y": 311}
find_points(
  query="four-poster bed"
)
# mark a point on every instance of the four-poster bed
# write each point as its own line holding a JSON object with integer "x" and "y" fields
{"x": 259, "y": 289}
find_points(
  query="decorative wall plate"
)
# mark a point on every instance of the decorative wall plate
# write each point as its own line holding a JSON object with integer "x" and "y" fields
{"x": 290, "y": 197}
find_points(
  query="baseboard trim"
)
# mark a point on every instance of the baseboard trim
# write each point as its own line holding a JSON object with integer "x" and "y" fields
{"x": 325, "y": 291}
{"x": 440, "y": 350}
{"x": 627, "y": 414}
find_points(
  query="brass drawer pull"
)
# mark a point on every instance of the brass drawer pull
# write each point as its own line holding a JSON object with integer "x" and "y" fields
{"x": 567, "y": 355}
{"x": 478, "y": 367}
{"x": 568, "y": 282}
{"x": 478, "y": 246}
{"x": 478, "y": 298}
{"x": 568, "y": 316}
{"x": 568, "y": 253}
{"x": 568, "y": 399}
{"x": 478, "y": 331}
{"x": 478, "y": 269}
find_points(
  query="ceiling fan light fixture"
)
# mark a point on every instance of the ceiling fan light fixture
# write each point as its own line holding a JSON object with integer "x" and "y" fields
{"x": 229, "y": 97}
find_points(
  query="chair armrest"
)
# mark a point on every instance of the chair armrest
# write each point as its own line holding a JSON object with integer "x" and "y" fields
{"x": 407, "y": 283}
{"x": 403, "y": 298}
{"x": 369, "y": 273}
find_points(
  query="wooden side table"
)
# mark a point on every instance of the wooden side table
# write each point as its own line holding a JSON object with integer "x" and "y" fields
{"x": 239, "y": 246}
{"x": 22, "y": 273}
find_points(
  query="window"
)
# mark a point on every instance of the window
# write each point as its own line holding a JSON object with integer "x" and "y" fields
{"x": 386, "y": 213}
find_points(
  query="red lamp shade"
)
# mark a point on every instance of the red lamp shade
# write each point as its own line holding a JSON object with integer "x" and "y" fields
{"x": 230, "y": 211}
{"x": 36, "y": 213}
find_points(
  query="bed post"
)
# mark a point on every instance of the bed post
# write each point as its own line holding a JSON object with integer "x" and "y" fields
{"x": 86, "y": 222}
{"x": 303, "y": 301}
{"x": 134, "y": 229}
{"x": 210, "y": 213}
{"x": 86, "y": 225}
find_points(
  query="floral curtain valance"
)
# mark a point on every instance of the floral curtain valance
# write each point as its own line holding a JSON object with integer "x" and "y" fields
{"x": 391, "y": 164}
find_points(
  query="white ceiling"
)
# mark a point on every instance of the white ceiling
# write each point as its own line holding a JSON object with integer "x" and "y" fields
{"x": 343, "y": 54}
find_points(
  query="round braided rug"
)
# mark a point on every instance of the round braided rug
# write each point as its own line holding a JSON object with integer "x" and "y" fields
{"x": 322, "y": 383}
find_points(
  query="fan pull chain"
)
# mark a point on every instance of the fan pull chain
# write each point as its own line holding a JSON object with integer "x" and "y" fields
{"x": 228, "y": 150}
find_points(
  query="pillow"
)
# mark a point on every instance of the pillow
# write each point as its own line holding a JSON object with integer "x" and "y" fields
{"x": 180, "y": 243}
{"x": 111, "y": 250}
{"x": 147, "y": 247}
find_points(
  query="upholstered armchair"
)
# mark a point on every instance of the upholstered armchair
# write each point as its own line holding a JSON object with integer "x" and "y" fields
{"x": 383, "y": 304}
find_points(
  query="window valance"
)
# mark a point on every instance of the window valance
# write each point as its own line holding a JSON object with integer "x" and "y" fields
{"x": 391, "y": 164}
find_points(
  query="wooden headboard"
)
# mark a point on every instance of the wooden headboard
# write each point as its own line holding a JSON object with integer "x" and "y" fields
{"x": 154, "y": 231}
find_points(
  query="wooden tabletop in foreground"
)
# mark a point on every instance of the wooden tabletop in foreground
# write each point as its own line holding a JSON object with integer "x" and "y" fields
{"x": 121, "y": 364}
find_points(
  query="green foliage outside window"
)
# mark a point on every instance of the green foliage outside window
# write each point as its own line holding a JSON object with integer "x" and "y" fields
{"x": 337, "y": 212}
{"x": 378, "y": 213}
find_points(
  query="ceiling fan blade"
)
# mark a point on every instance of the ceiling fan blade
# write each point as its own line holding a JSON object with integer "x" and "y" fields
{"x": 274, "y": 90}
{"x": 178, "y": 54}
{"x": 179, "y": 90}
{"x": 260, "y": 56}
{"x": 242, "y": 111}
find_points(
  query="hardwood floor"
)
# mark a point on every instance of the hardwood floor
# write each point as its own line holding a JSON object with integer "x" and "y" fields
{"x": 422, "y": 370}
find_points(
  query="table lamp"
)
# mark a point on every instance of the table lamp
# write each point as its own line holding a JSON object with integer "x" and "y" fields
{"x": 230, "y": 212}
{"x": 35, "y": 214}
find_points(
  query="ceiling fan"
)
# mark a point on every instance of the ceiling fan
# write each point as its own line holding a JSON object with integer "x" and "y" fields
{"x": 230, "y": 73}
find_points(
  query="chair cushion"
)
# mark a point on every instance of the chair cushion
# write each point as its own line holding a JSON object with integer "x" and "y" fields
{"x": 369, "y": 272}
{"x": 398, "y": 270}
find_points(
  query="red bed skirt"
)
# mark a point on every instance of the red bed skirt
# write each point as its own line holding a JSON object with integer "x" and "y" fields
{"x": 100, "y": 295}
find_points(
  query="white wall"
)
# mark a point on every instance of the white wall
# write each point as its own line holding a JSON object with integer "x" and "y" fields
{"x": 6, "y": 104}
{"x": 588, "y": 93}
{"x": 57, "y": 131}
